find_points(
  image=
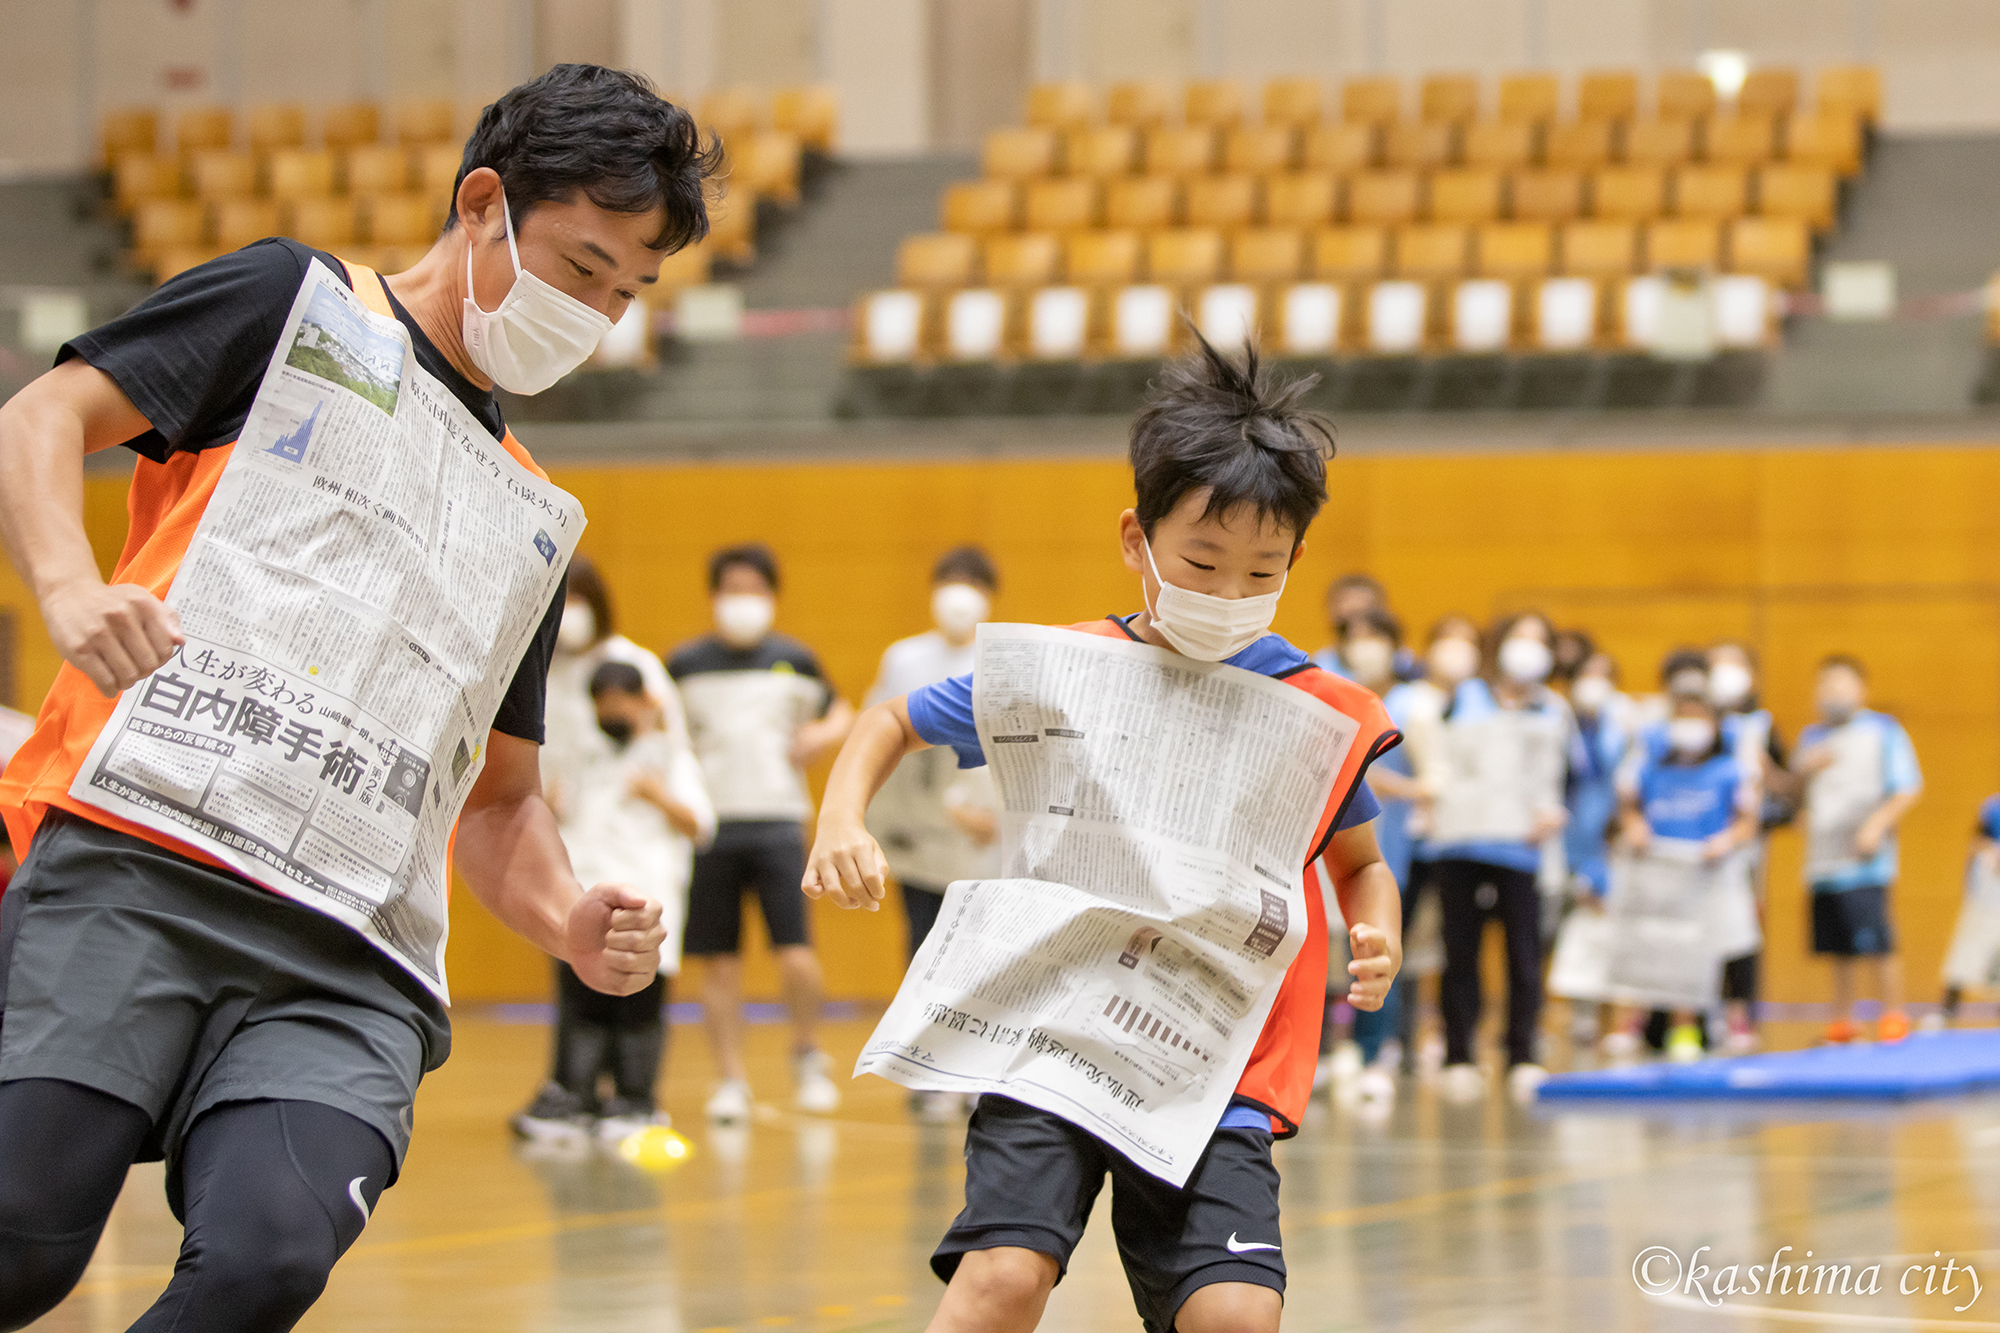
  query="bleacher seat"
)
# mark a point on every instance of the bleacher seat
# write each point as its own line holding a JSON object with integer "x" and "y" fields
{"x": 350, "y": 124}
{"x": 1740, "y": 306}
{"x": 1850, "y": 90}
{"x": 1639, "y": 300}
{"x": 1659, "y": 143}
{"x": 1565, "y": 314}
{"x": 1419, "y": 145}
{"x": 1226, "y": 314}
{"x": 1184, "y": 256}
{"x": 437, "y": 169}
{"x": 1142, "y": 321}
{"x": 809, "y": 113}
{"x": 1058, "y": 323}
{"x": 1547, "y": 196}
{"x": 376, "y": 169}
{"x": 403, "y": 220}
{"x": 1792, "y": 190}
{"x": 1217, "y": 102}
{"x": 1309, "y": 319}
{"x": 1599, "y": 249}
{"x": 1628, "y": 194}
{"x": 1180, "y": 150}
{"x": 1374, "y": 101}
{"x": 1467, "y": 195}
{"x": 219, "y": 173}
{"x": 1221, "y": 201}
{"x": 203, "y": 128}
{"x": 137, "y": 177}
{"x": 1140, "y": 103}
{"x": 1061, "y": 106}
{"x": 1065, "y": 204}
{"x": 1683, "y": 94}
{"x": 1531, "y": 98}
{"x": 1768, "y": 91}
{"x": 279, "y": 125}
{"x": 979, "y": 206}
{"x": 1267, "y": 254}
{"x": 731, "y": 113}
{"x": 128, "y": 131}
{"x": 1503, "y": 145}
{"x": 1433, "y": 253}
{"x": 1260, "y": 149}
{"x": 1294, "y": 101}
{"x": 1743, "y": 140}
{"x": 1397, "y": 317}
{"x": 1514, "y": 250}
{"x": 323, "y": 223}
{"x": 1100, "y": 150}
{"x": 1348, "y": 254}
{"x": 937, "y": 259}
{"x": 1826, "y": 139}
{"x": 1101, "y": 258}
{"x": 424, "y": 120}
{"x": 1020, "y": 153}
{"x": 1777, "y": 249}
{"x": 1683, "y": 243}
{"x": 1141, "y": 203}
{"x": 159, "y": 225}
{"x": 1301, "y": 199}
{"x": 1388, "y": 198}
{"x": 1607, "y": 95}
{"x": 1023, "y": 259}
{"x": 300, "y": 173}
{"x": 767, "y": 167}
{"x": 1482, "y": 315}
{"x": 1716, "y": 193}
{"x": 1450, "y": 98}
{"x": 1340, "y": 146}
{"x": 891, "y": 327}
{"x": 238, "y": 222}
{"x": 1578, "y": 145}
{"x": 975, "y": 324}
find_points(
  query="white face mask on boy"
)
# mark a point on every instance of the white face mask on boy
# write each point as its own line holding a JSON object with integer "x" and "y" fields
{"x": 1208, "y": 628}
{"x": 536, "y": 335}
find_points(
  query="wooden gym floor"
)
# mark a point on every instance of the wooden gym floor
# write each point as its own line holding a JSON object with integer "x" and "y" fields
{"x": 1431, "y": 1217}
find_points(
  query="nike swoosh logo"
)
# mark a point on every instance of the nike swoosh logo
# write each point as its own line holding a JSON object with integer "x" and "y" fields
{"x": 1240, "y": 1246}
{"x": 354, "y": 1193}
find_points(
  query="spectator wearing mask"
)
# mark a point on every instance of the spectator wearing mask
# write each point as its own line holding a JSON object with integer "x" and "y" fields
{"x": 1507, "y": 743}
{"x": 1603, "y": 734}
{"x": 1352, "y": 595}
{"x": 1572, "y": 648}
{"x": 1861, "y": 778}
{"x": 1733, "y": 686}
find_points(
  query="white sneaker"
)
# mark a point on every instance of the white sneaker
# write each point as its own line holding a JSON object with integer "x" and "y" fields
{"x": 1462, "y": 1083}
{"x": 616, "y": 1124}
{"x": 1619, "y": 1044}
{"x": 730, "y": 1103}
{"x": 816, "y": 1092}
{"x": 1523, "y": 1079}
{"x": 1346, "y": 1062}
{"x": 1934, "y": 1021}
{"x": 1741, "y": 1043}
{"x": 1323, "y": 1074}
{"x": 1430, "y": 1054}
{"x": 1376, "y": 1084}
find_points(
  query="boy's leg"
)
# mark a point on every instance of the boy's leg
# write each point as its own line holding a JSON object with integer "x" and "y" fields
{"x": 776, "y": 867}
{"x": 583, "y": 1043}
{"x": 722, "y": 1012}
{"x": 1521, "y": 916}
{"x": 66, "y": 1151}
{"x": 921, "y": 905}
{"x": 1231, "y": 1307}
{"x": 273, "y": 1193}
{"x": 1458, "y": 887}
{"x": 1843, "y": 988}
{"x": 1001, "y": 1290}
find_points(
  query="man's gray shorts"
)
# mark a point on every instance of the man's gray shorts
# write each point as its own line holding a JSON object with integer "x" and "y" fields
{"x": 178, "y": 987}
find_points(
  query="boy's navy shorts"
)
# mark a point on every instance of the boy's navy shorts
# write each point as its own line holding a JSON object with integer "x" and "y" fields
{"x": 1031, "y": 1179}
{"x": 1852, "y": 923}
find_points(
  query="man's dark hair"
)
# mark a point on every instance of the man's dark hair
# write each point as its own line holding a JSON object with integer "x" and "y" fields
{"x": 1237, "y": 432}
{"x": 1357, "y": 579}
{"x": 1847, "y": 661}
{"x": 751, "y": 555}
{"x": 1374, "y": 620}
{"x": 584, "y": 581}
{"x": 616, "y": 678}
{"x": 600, "y": 132}
{"x": 966, "y": 564}
{"x": 1680, "y": 660}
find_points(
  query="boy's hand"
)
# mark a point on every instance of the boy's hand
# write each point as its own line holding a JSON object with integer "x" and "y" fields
{"x": 614, "y": 938}
{"x": 1375, "y": 964}
{"x": 846, "y": 865}
{"x": 1717, "y": 847}
{"x": 1817, "y": 759}
{"x": 1547, "y": 824}
{"x": 1868, "y": 838}
{"x": 116, "y": 635}
{"x": 1638, "y": 833}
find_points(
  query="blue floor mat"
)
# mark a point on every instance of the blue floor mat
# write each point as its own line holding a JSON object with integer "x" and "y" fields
{"x": 1926, "y": 1065}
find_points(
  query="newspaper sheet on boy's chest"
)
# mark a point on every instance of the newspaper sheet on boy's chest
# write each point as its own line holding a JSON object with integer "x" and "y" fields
{"x": 1156, "y": 816}
{"x": 356, "y": 599}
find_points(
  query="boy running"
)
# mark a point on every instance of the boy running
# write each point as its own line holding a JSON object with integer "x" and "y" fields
{"x": 1229, "y": 472}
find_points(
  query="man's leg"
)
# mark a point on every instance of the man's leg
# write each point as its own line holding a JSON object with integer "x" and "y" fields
{"x": 714, "y": 935}
{"x": 779, "y": 867}
{"x": 273, "y": 1193}
{"x": 1002, "y": 1290}
{"x": 64, "y": 1150}
{"x": 722, "y": 1013}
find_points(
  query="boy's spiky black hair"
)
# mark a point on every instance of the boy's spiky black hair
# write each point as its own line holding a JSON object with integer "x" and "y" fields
{"x": 1236, "y": 431}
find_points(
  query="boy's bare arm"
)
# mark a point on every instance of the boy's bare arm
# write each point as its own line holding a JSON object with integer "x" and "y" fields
{"x": 1372, "y": 906}
{"x": 845, "y": 864}
{"x": 1868, "y": 840}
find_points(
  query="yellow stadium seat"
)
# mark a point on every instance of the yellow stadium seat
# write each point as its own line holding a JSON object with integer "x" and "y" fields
{"x": 350, "y": 124}
{"x": 1451, "y": 98}
{"x": 1530, "y": 98}
{"x": 422, "y": 120}
{"x": 1141, "y": 203}
{"x": 1398, "y": 317}
{"x": 1515, "y": 250}
{"x": 1628, "y": 194}
{"x": 176, "y": 260}
{"x": 1715, "y": 193}
{"x": 1294, "y": 101}
{"x": 1023, "y": 259}
{"x": 732, "y": 227}
{"x": 1100, "y": 150}
{"x": 1301, "y": 199}
{"x": 809, "y": 113}
{"x": 1746, "y": 140}
{"x": 1579, "y": 145}
{"x": 1566, "y": 315}
{"x": 1140, "y": 103}
{"x": 1387, "y": 198}
{"x": 731, "y": 112}
{"x": 139, "y": 176}
{"x": 1267, "y": 254}
{"x": 128, "y": 131}
{"x": 1061, "y": 106}
{"x": 1185, "y": 256}
{"x": 979, "y": 206}
{"x": 1433, "y": 252}
{"x": 1600, "y": 249}
{"x": 159, "y": 225}
{"x": 1482, "y": 315}
{"x": 937, "y": 259}
{"x": 1340, "y": 146}
{"x": 1547, "y": 196}
{"x": 1228, "y": 202}
{"x": 1659, "y": 143}
{"x": 892, "y": 328}
{"x": 1057, "y": 327}
{"x": 689, "y": 266}
{"x": 1180, "y": 150}
{"x": 1683, "y": 243}
{"x": 1141, "y": 322}
{"x": 376, "y": 169}
{"x": 976, "y": 324}
{"x": 1022, "y": 153}
{"x": 1348, "y": 254}
{"x": 1607, "y": 95}
{"x": 1777, "y": 249}
{"x": 323, "y": 223}
{"x": 1468, "y": 195}
{"x": 1504, "y": 145}
{"x": 1376, "y": 101}
{"x": 218, "y": 173}
{"x": 1850, "y": 90}
{"x": 1101, "y": 258}
{"x": 1683, "y": 94}
{"x": 300, "y": 173}
{"x": 1310, "y": 319}
{"x": 238, "y": 222}
{"x": 1259, "y": 149}
{"x": 1791, "y": 190}
{"x": 401, "y": 219}
{"x": 767, "y": 167}
{"x": 281, "y": 125}
{"x": 437, "y": 169}
{"x": 1217, "y": 102}
{"x": 1065, "y": 204}
{"x": 1229, "y": 314}
{"x": 1418, "y": 145}
{"x": 203, "y": 128}
{"x": 1768, "y": 91}
{"x": 1828, "y": 139}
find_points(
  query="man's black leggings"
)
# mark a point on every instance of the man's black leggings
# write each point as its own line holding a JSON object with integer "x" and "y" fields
{"x": 271, "y": 1193}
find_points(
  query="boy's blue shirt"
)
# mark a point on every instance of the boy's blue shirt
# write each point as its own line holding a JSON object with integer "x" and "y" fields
{"x": 1899, "y": 774}
{"x": 1693, "y": 802}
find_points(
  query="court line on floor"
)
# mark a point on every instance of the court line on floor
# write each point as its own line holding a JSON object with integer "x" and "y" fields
{"x": 1821, "y": 1316}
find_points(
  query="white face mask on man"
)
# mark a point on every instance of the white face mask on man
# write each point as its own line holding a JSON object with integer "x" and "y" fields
{"x": 536, "y": 335}
{"x": 743, "y": 618}
{"x": 1526, "y": 661}
{"x": 957, "y": 608}
{"x": 1208, "y": 628}
{"x": 578, "y": 629}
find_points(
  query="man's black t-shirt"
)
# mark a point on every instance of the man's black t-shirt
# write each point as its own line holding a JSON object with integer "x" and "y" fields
{"x": 192, "y": 355}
